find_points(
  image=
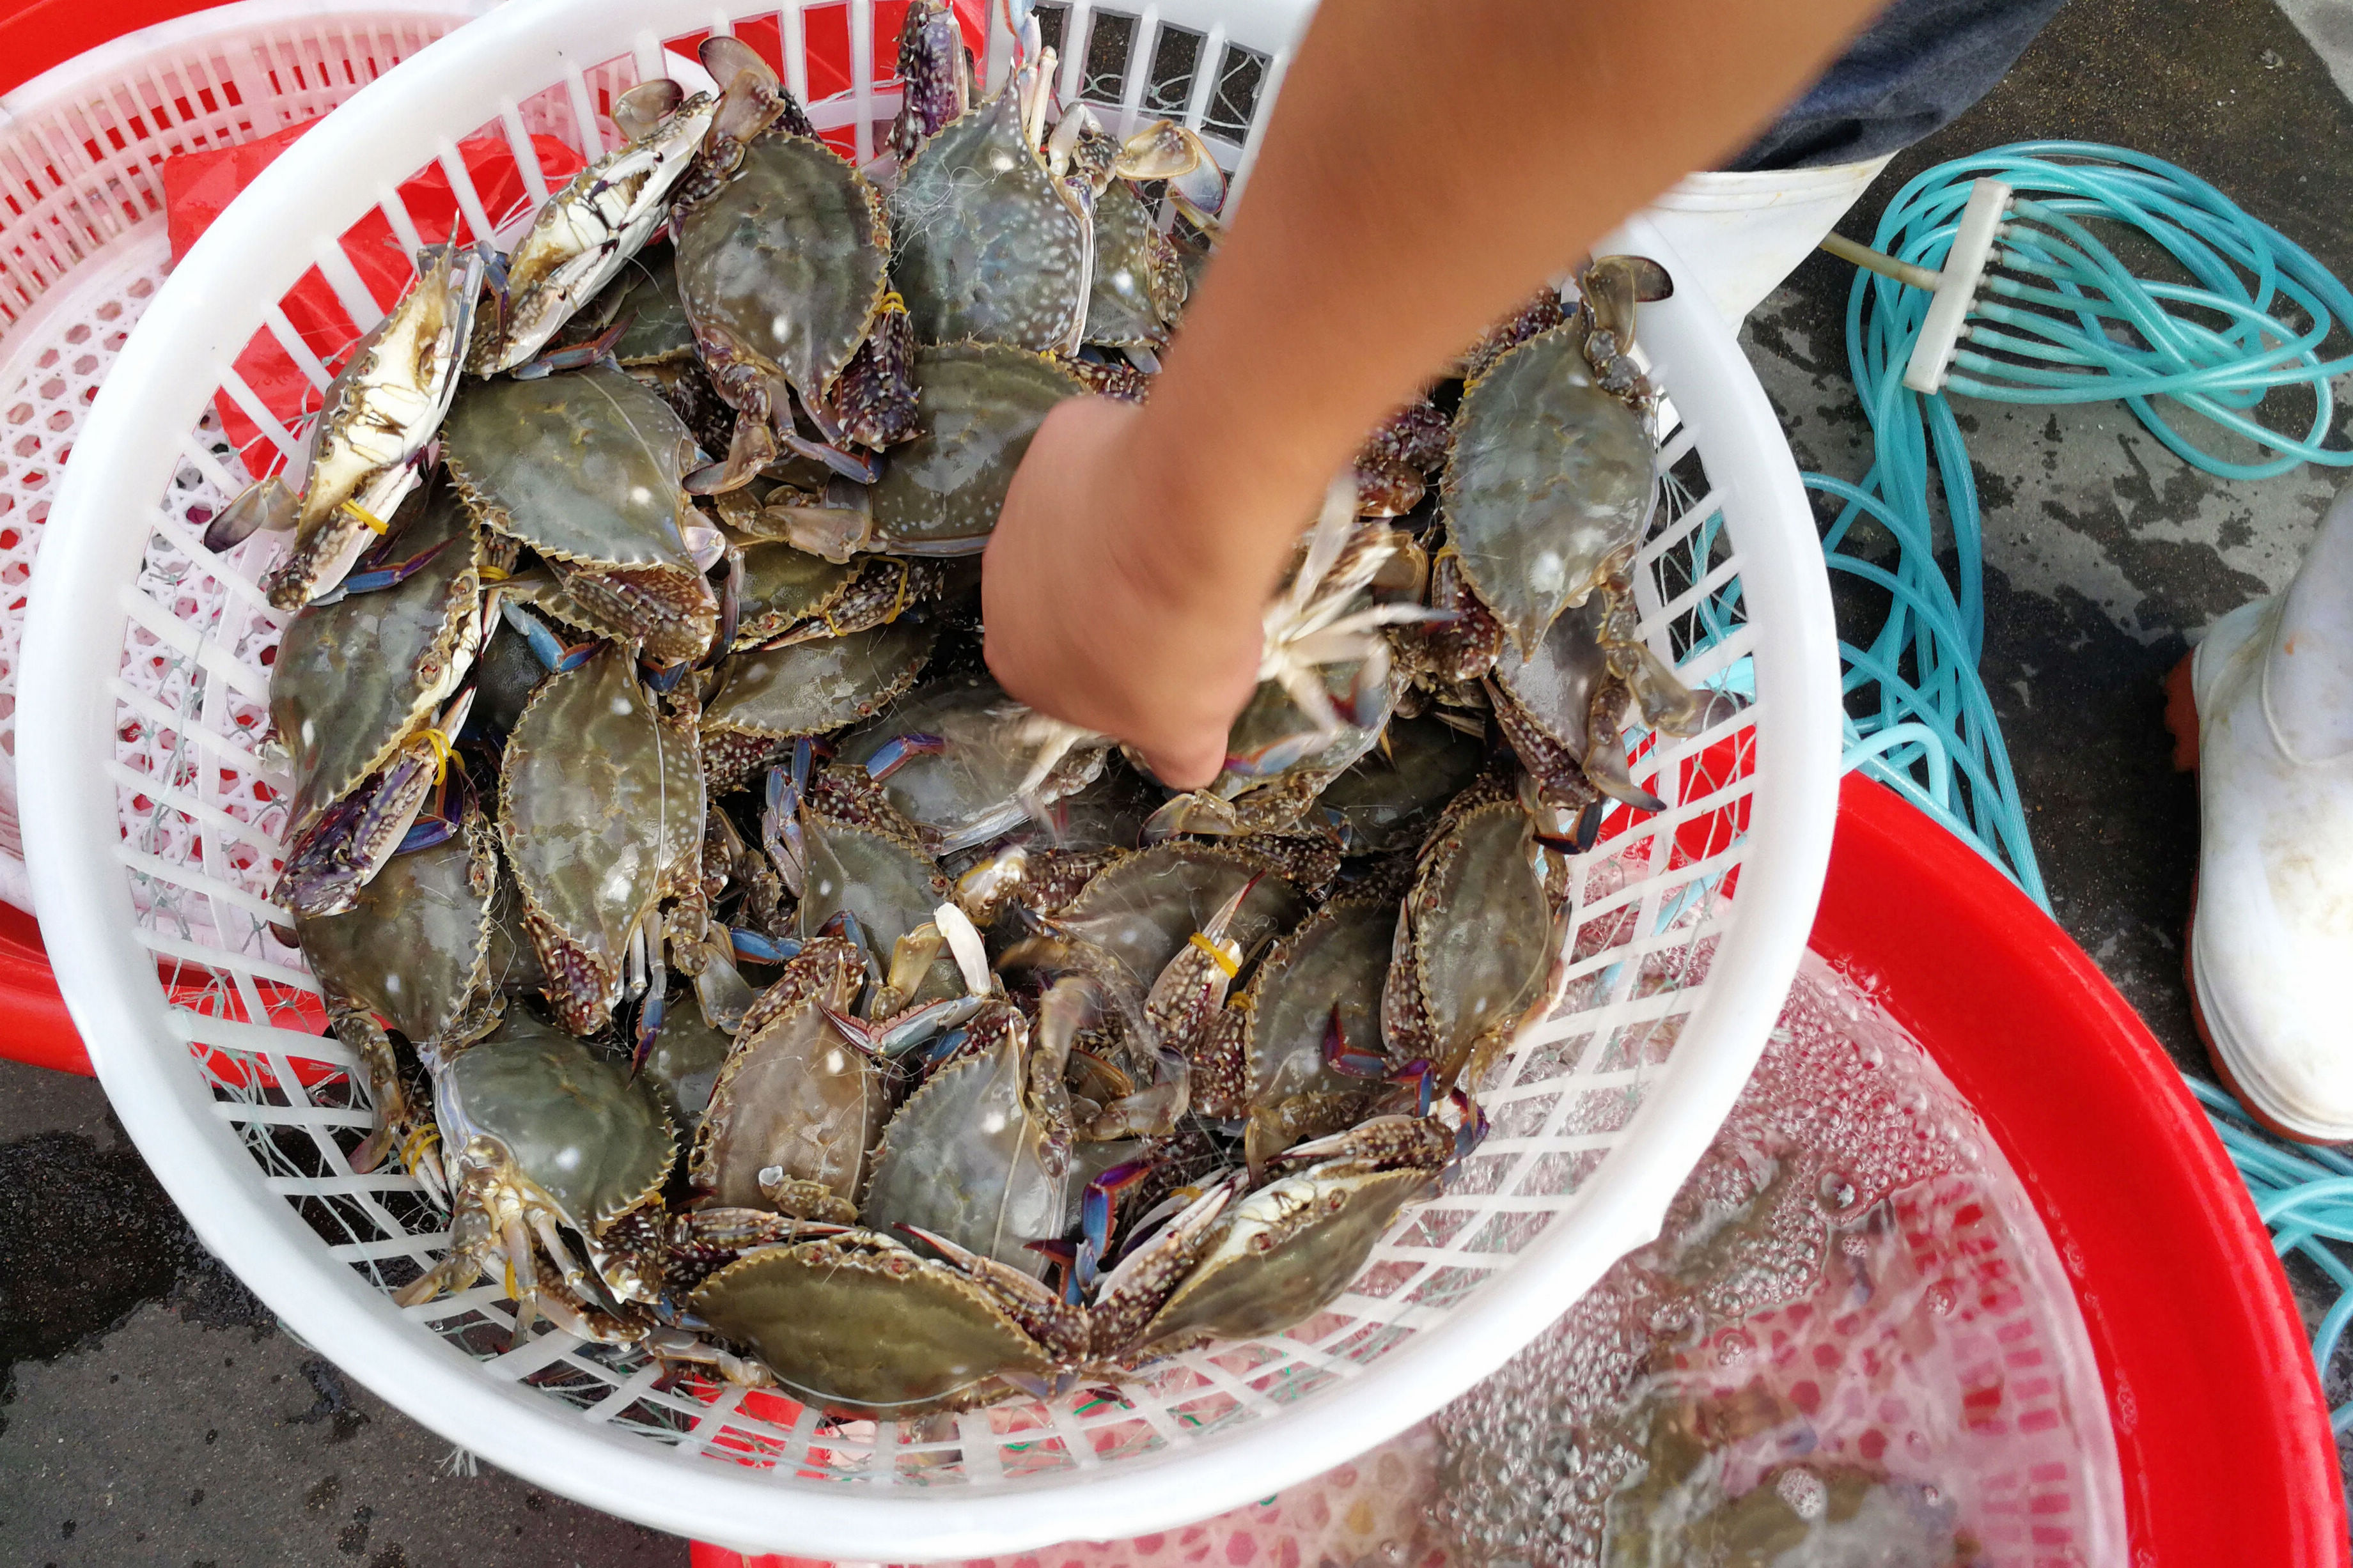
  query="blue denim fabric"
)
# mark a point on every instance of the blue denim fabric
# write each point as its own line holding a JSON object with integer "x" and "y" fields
{"x": 1919, "y": 66}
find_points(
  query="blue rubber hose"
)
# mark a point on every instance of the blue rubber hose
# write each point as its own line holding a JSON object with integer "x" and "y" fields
{"x": 2202, "y": 363}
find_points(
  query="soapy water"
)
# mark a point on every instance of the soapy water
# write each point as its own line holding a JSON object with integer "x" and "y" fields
{"x": 1852, "y": 1344}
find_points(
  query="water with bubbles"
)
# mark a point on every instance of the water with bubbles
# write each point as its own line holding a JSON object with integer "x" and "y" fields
{"x": 1852, "y": 1344}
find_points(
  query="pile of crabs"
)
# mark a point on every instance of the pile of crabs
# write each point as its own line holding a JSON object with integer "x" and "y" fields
{"x": 753, "y": 981}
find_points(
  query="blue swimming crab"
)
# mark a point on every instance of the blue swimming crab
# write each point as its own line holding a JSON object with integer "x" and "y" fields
{"x": 996, "y": 219}
{"x": 414, "y": 951}
{"x": 584, "y": 469}
{"x": 1231, "y": 1262}
{"x": 1553, "y": 470}
{"x": 1327, "y": 683}
{"x": 602, "y": 812}
{"x": 367, "y": 695}
{"x": 586, "y": 233}
{"x": 797, "y": 1109}
{"x": 949, "y": 757}
{"x": 783, "y": 252}
{"x": 380, "y": 411}
{"x": 769, "y": 698}
{"x": 543, "y": 1134}
{"x": 1477, "y": 940}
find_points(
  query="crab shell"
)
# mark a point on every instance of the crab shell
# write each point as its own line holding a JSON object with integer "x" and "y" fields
{"x": 790, "y": 595}
{"x": 794, "y": 1095}
{"x": 1138, "y": 284}
{"x": 1333, "y": 963}
{"x": 1149, "y": 905}
{"x": 378, "y": 413}
{"x": 987, "y": 247}
{"x": 356, "y": 678}
{"x": 1563, "y": 708}
{"x": 974, "y": 1155}
{"x": 683, "y": 1063}
{"x": 596, "y": 795}
{"x": 1551, "y": 475}
{"x": 1475, "y": 941}
{"x": 769, "y": 698}
{"x": 860, "y": 1326}
{"x": 783, "y": 271}
{"x": 1282, "y": 1255}
{"x": 586, "y": 233}
{"x": 585, "y": 468}
{"x": 1385, "y": 802}
{"x": 976, "y": 406}
{"x": 970, "y": 792}
{"x": 416, "y": 949}
{"x": 572, "y": 1133}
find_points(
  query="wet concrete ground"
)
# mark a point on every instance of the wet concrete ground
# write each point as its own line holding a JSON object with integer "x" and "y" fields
{"x": 151, "y": 1412}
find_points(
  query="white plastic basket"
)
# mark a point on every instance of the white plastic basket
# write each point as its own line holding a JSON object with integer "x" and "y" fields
{"x": 147, "y": 661}
{"x": 82, "y": 245}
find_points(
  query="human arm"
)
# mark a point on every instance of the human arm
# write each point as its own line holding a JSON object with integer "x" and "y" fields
{"x": 1427, "y": 166}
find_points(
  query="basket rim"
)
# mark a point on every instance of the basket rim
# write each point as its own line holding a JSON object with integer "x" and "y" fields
{"x": 75, "y": 629}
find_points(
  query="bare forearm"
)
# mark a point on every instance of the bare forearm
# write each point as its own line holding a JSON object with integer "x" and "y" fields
{"x": 1428, "y": 165}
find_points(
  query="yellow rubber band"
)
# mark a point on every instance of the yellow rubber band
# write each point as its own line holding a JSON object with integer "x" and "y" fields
{"x": 440, "y": 743}
{"x": 890, "y": 301}
{"x": 1217, "y": 954}
{"x": 362, "y": 514}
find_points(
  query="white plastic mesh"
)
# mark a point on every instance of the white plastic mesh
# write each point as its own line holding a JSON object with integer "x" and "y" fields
{"x": 198, "y": 797}
{"x": 82, "y": 246}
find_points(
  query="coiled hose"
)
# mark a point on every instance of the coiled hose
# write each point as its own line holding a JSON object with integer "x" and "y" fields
{"x": 2061, "y": 320}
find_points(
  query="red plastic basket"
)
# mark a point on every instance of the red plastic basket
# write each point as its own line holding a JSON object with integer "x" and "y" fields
{"x": 2224, "y": 1440}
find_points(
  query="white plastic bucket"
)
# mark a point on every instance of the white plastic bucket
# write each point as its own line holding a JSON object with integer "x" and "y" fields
{"x": 147, "y": 662}
{"x": 1742, "y": 234}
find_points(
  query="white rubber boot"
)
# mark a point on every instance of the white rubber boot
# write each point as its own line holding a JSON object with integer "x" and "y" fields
{"x": 1743, "y": 234}
{"x": 2271, "y": 939}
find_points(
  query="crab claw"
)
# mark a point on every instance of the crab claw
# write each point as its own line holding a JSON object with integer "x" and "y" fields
{"x": 1063, "y": 1257}
{"x": 720, "y": 989}
{"x": 925, "y": 1026}
{"x": 575, "y": 356}
{"x": 638, "y": 110}
{"x": 750, "y": 449}
{"x": 1099, "y": 1204}
{"x": 1195, "y": 811}
{"x": 1581, "y": 837}
{"x": 898, "y": 753}
{"x": 731, "y": 606}
{"x": 1606, "y": 768}
{"x": 646, "y": 1029}
{"x": 379, "y": 577}
{"x": 755, "y": 948}
{"x": 554, "y": 656}
{"x": 845, "y": 925}
{"x": 1420, "y": 1075}
{"x": 1344, "y": 1059}
{"x": 780, "y": 821}
{"x": 264, "y": 506}
{"x": 835, "y": 530}
{"x": 965, "y": 944}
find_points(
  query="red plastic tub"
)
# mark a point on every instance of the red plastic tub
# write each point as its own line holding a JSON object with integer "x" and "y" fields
{"x": 2219, "y": 1426}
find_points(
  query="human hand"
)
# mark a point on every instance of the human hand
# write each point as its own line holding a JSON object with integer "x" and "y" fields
{"x": 1091, "y": 616}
